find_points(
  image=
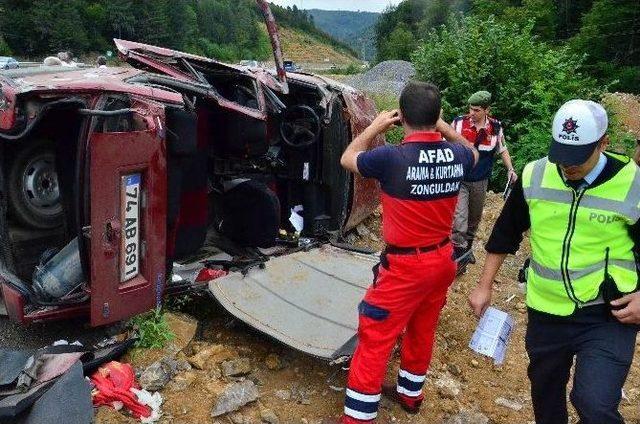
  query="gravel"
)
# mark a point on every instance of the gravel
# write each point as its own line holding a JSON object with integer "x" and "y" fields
{"x": 387, "y": 77}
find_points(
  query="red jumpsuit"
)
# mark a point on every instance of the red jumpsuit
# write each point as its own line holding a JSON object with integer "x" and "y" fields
{"x": 420, "y": 181}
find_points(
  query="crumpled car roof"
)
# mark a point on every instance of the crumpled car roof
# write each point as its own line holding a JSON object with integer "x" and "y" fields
{"x": 59, "y": 79}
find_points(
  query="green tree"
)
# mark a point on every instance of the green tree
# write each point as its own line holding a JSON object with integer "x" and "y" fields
{"x": 610, "y": 37}
{"x": 224, "y": 29}
{"x": 4, "y": 47}
{"x": 569, "y": 16}
{"x": 58, "y": 25}
{"x": 529, "y": 79}
{"x": 17, "y": 17}
{"x": 543, "y": 14}
{"x": 121, "y": 18}
{"x": 400, "y": 44}
{"x": 152, "y": 22}
{"x": 415, "y": 16}
{"x": 97, "y": 24}
{"x": 183, "y": 24}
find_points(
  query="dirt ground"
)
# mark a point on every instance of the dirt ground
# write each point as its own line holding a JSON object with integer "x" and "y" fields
{"x": 626, "y": 108}
{"x": 300, "y": 389}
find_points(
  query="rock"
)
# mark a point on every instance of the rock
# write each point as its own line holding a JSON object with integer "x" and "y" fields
{"x": 184, "y": 329}
{"x": 466, "y": 416}
{"x": 273, "y": 362}
{"x": 182, "y": 382}
{"x": 351, "y": 238}
{"x": 183, "y": 365}
{"x": 448, "y": 388}
{"x": 454, "y": 370}
{"x": 210, "y": 353}
{"x": 198, "y": 346}
{"x": 521, "y": 307}
{"x": 283, "y": 394}
{"x": 475, "y": 363}
{"x": 256, "y": 378}
{"x": 214, "y": 373}
{"x": 387, "y": 77}
{"x": 362, "y": 230}
{"x": 158, "y": 374}
{"x": 172, "y": 363}
{"x": 268, "y": 416}
{"x": 511, "y": 404}
{"x": 236, "y": 367}
{"x": 234, "y": 396}
{"x": 237, "y": 418}
{"x": 199, "y": 359}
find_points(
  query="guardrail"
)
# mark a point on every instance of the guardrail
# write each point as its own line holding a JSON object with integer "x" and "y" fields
{"x": 29, "y": 64}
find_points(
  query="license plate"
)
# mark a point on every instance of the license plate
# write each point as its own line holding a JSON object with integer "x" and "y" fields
{"x": 130, "y": 249}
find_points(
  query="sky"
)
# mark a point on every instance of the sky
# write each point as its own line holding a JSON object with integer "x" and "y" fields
{"x": 363, "y": 5}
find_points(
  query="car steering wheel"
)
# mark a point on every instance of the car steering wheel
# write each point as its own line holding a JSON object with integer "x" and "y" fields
{"x": 300, "y": 126}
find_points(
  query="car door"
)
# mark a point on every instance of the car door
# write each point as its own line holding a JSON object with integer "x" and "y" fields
{"x": 365, "y": 192}
{"x": 127, "y": 201}
{"x": 307, "y": 300}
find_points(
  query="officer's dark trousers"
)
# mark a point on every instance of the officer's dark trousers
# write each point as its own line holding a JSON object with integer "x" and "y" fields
{"x": 603, "y": 350}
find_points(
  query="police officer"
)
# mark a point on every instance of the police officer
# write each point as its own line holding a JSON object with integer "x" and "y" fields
{"x": 581, "y": 205}
{"x": 420, "y": 181}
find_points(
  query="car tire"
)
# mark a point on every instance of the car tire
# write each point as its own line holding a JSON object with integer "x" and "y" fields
{"x": 33, "y": 191}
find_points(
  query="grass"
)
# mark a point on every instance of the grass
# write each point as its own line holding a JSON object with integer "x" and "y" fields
{"x": 388, "y": 102}
{"x": 304, "y": 48}
{"x": 152, "y": 329}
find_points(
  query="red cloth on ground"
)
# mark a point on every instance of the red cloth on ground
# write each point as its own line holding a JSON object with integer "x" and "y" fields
{"x": 113, "y": 383}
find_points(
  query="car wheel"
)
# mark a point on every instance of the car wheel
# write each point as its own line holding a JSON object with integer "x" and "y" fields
{"x": 34, "y": 193}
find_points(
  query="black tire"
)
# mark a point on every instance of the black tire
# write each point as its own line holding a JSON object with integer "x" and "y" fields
{"x": 34, "y": 194}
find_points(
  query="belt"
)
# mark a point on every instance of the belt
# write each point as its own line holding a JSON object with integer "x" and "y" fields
{"x": 395, "y": 250}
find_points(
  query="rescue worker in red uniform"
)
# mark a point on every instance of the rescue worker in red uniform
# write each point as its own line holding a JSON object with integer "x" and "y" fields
{"x": 420, "y": 181}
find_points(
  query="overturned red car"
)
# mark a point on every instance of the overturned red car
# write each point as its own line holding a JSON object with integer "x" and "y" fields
{"x": 120, "y": 185}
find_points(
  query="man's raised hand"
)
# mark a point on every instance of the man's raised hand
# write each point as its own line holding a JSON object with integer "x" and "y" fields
{"x": 385, "y": 120}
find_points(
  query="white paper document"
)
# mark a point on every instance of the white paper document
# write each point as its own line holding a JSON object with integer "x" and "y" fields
{"x": 492, "y": 334}
{"x": 296, "y": 218}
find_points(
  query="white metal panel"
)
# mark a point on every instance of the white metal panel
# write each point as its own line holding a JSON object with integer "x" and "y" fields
{"x": 307, "y": 300}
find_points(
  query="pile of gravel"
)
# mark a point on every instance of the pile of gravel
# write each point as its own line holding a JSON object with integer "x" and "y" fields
{"x": 387, "y": 77}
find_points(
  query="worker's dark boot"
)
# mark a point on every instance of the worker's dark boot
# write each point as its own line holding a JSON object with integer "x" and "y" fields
{"x": 472, "y": 258}
{"x": 412, "y": 406}
{"x": 458, "y": 252}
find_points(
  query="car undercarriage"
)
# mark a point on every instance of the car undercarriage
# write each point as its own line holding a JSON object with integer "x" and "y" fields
{"x": 122, "y": 185}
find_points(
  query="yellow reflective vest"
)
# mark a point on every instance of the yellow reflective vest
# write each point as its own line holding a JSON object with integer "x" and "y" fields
{"x": 571, "y": 233}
